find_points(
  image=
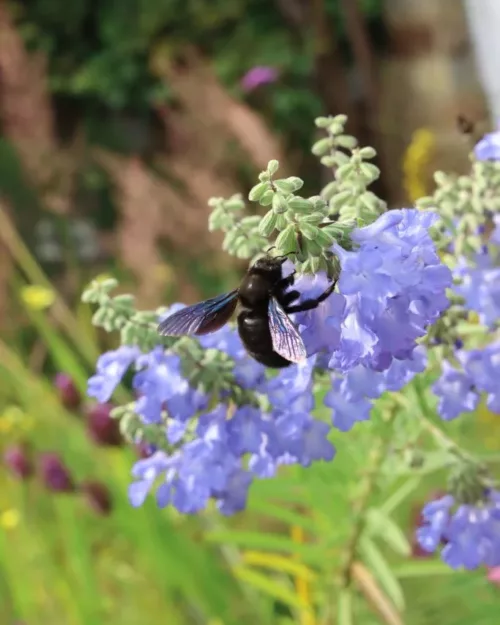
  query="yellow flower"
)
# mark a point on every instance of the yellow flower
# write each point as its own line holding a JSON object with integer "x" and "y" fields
{"x": 12, "y": 418}
{"x": 415, "y": 161}
{"x": 9, "y": 519}
{"x": 37, "y": 297}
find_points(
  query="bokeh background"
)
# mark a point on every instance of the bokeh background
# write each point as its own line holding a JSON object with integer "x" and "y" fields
{"x": 119, "y": 120}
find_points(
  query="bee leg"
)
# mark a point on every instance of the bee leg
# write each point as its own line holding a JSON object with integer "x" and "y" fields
{"x": 285, "y": 283}
{"x": 287, "y": 298}
{"x": 310, "y": 304}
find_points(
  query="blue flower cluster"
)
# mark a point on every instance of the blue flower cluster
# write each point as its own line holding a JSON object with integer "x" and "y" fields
{"x": 391, "y": 287}
{"x": 459, "y": 390}
{"x": 352, "y": 395}
{"x": 459, "y": 387}
{"x": 471, "y": 533}
{"x": 478, "y": 280}
{"x": 217, "y": 455}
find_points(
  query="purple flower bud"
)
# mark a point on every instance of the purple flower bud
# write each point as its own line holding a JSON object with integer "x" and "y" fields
{"x": 54, "y": 473}
{"x": 97, "y": 496}
{"x": 16, "y": 459}
{"x": 68, "y": 393}
{"x": 102, "y": 428}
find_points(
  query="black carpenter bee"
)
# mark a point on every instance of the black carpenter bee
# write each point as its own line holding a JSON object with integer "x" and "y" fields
{"x": 265, "y": 329}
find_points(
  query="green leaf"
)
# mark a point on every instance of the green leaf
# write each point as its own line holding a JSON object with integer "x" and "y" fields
{"x": 283, "y": 513}
{"x": 322, "y": 146}
{"x": 313, "y": 218}
{"x": 394, "y": 500}
{"x": 299, "y": 204}
{"x": 269, "y": 586}
{"x": 286, "y": 241}
{"x": 267, "y": 198}
{"x": 423, "y": 568}
{"x": 272, "y": 167}
{"x": 258, "y": 191}
{"x": 345, "y": 171}
{"x": 289, "y": 185}
{"x": 368, "y": 153}
{"x": 380, "y": 568}
{"x": 381, "y": 525}
{"x": 312, "y": 554}
{"x": 346, "y": 141}
{"x": 278, "y": 564}
{"x": 309, "y": 231}
{"x": 280, "y": 204}
{"x": 345, "y": 607}
{"x": 268, "y": 223}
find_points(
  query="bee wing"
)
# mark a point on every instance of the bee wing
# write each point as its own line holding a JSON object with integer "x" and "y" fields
{"x": 286, "y": 339}
{"x": 201, "y": 318}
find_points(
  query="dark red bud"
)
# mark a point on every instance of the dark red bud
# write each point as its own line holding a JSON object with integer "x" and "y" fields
{"x": 68, "y": 393}
{"x": 102, "y": 428}
{"x": 17, "y": 460}
{"x": 144, "y": 450}
{"x": 97, "y": 496}
{"x": 55, "y": 475}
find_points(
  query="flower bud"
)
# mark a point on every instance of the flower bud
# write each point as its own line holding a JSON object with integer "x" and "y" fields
{"x": 55, "y": 475}
{"x": 102, "y": 428}
{"x": 16, "y": 459}
{"x": 97, "y": 496}
{"x": 68, "y": 393}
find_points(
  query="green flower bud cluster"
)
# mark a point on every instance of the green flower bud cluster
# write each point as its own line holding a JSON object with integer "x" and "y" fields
{"x": 348, "y": 196}
{"x": 469, "y": 480}
{"x": 118, "y": 313}
{"x": 465, "y": 204}
{"x": 300, "y": 227}
{"x": 243, "y": 238}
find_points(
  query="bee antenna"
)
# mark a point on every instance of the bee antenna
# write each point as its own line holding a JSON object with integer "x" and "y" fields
{"x": 283, "y": 256}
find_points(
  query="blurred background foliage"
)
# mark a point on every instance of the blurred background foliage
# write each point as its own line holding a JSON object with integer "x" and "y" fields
{"x": 118, "y": 121}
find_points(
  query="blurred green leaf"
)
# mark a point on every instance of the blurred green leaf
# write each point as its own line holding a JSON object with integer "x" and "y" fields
{"x": 382, "y": 571}
{"x": 380, "y": 525}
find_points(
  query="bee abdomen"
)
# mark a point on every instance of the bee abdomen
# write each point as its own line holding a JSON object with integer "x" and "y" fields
{"x": 255, "y": 335}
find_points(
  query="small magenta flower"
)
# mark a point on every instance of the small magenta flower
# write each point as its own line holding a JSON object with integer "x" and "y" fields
{"x": 55, "y": 474}
{"x": 102, "y": 428}
{"x": 257, "y": 76}
{"x": 97, "y": 496}
{"x": 68, "y": 393}
{"x": 16, "y": 459}
{"x": 494, "y": 575}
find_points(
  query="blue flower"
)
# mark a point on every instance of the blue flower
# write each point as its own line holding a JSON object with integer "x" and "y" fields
{"x": 471, "y": 532}
{"x": 147, "y": 472}
{"x": 488, "y": 148}
{"x": 351, "y": 396}
{"x": 480, "y": 287}
{"x": 159, "y": 380}
{"x": 482, "y": 366}
{"x": 456, "y": 392}
{"x": 110, "y": 369}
